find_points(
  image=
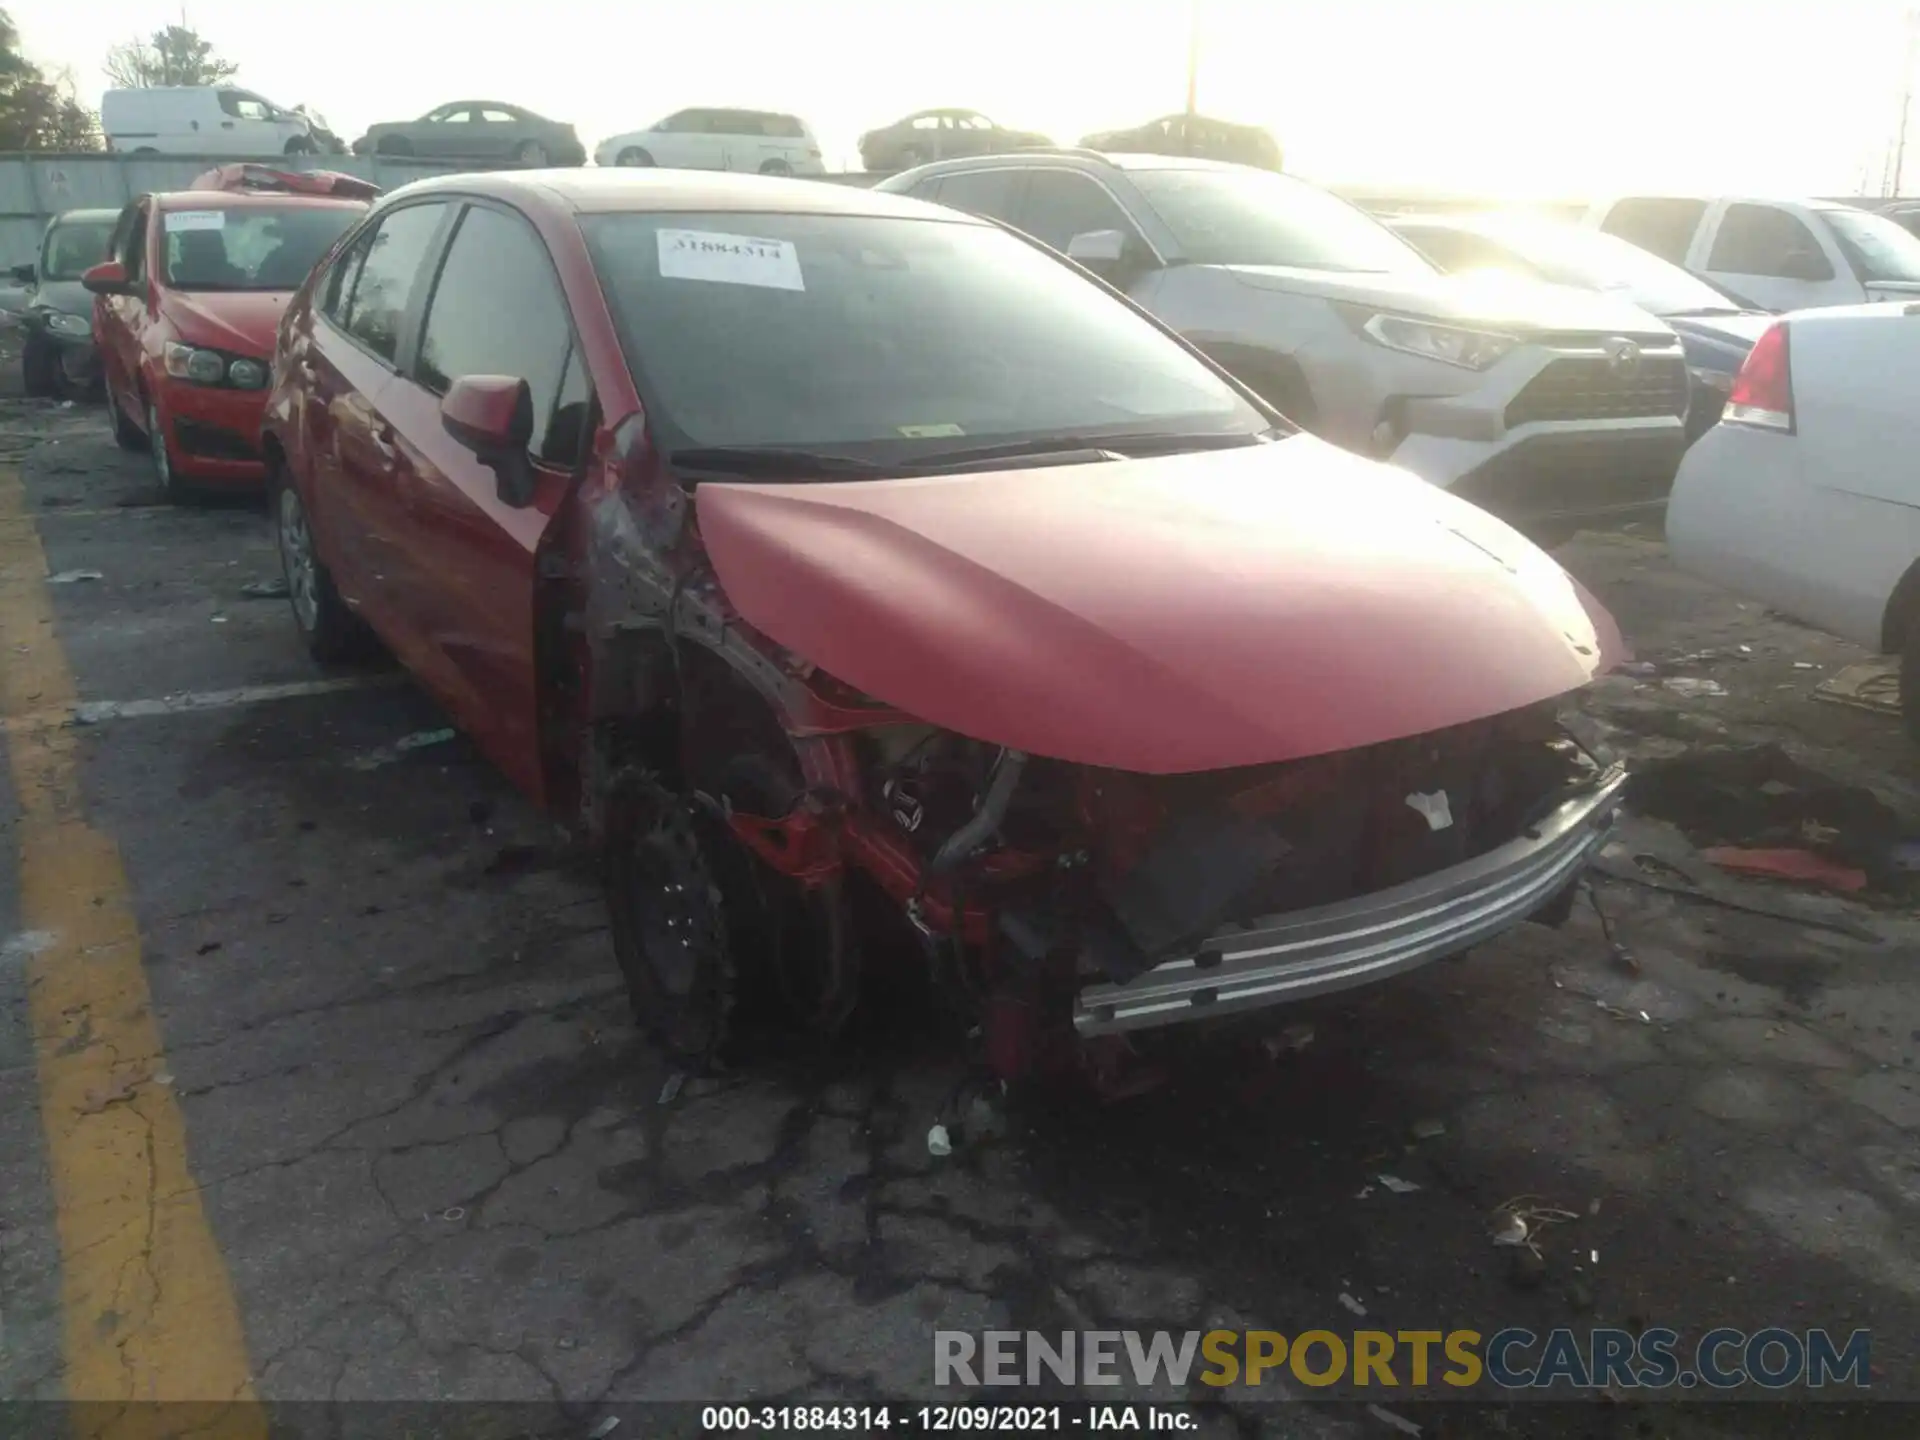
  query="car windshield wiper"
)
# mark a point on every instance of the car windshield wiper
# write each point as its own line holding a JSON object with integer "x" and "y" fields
{"x": 1092, "y": 446}
{"x": 773, "y": 460}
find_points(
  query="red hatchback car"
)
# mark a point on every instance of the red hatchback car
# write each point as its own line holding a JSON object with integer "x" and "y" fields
{"x": 809, "y": 547}
{"x": 185, "y": 314}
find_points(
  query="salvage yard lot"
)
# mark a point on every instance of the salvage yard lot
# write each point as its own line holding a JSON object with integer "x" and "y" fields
{"x": 438, "y": 1163}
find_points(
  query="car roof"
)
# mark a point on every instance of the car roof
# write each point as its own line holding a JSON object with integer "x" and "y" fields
{"x": 1084, "y": 159}
{"x": 593, "y": 190}
{"x": 248, "y": 200}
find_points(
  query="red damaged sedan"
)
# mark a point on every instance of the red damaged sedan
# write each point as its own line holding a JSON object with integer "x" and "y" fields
{"x": 806, "y": 547}
{"x": 186, "y": 309}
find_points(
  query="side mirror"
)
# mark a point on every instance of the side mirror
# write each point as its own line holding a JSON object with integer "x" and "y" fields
{"x": 23, "y": 273}
{"x": 1095, "y": 248}
{"x": 492, "y": 415}
{"x": 109, "y": 277}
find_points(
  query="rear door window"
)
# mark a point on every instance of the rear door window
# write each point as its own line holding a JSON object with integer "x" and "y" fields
{"x": 497, "y": 309}
{"x": 383, "y": 291}
{"x": 1766, "y": 240}
{"x": 1660, "y": 224}
{"x": 996, "y": 194}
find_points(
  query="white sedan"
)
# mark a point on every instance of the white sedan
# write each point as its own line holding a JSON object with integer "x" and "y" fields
{"x": 1806, "y": 496}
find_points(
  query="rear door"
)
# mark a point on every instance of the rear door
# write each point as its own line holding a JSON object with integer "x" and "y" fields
{"x": 496, "y": 309}
{"x": 1770, "y": 257}
{"x": 1663, "y": 225}
{"x": 368, "y": 320}
{"x": 498, "y": 133}
{"x": 444, "y": 133}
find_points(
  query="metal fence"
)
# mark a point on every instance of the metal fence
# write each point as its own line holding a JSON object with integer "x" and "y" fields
{"x": 34, "y": 188}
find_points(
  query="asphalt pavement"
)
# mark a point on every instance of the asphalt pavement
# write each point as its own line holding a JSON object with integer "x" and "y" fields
{"x": 317, "y": 1081}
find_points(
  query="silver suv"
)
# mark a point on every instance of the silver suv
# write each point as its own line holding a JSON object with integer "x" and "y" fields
{"x": 1549, "y": 407}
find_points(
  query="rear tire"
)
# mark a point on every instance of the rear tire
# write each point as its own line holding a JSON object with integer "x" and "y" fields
{"x": 300, "y": 145}
{"x": 1910, "y": 682}
{"x": 40, "y": 373}
{"x": 776, "y": 167}
{"x": 330, "y": 631}
{"x": 633, "y": 155}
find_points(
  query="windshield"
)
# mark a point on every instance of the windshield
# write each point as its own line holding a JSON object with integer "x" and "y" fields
{"x": 74, "y": 247}
{"x": 1876, "y": 247}
{"x": 885, "y": 338}
{"x": 261, "y": 247}
{"x": 1569, "y": 255}
{"x": 1252, "y": 217}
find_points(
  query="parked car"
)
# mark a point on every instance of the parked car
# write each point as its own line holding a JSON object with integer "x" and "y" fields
{"x": 754, "y": 140}
{"x": 1715, "y": 330}
{"x": 1551, "y": 408}
{"x": 202, "y": 120}
{"x": 775, "y": 534}
{"x": 1199, "y": 136}
{"x": 477, "y": 130}
{"x": 185, "y": 313}
{"x": 57, "y": 355}
{"x": 1805, "y": 496}
{"x": 1773, "y": 254}
{"x": 938, "y": 135}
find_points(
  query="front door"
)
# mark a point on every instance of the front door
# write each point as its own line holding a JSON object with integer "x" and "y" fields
{"x": 369, "y": 316}
{"x": 1771, "y": 257}
{"x": 497, "y": 309}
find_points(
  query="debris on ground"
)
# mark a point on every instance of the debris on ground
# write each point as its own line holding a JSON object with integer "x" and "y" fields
{"x": 1397, "y": 1185}
{"x": 1348, "y": 1302}
{"x": 74, "y": 577}
{"x": 939, "y": 1143}
{"x": 1428, "y": 1129}
{"x": 1398, "y": 1422}
{"x": 1295, "y": 1038}
{"x": 275, "y": 589}
{"x": 1802, "y": 866}
{"x": 1873, "y": 686}
{"x": 1692, "y": 686}
{"x": 605, "y": 1428}
{"x": 670, "y": 1091}
{"x": 387, "y": 754}
{"x": 1579, "y": 1296}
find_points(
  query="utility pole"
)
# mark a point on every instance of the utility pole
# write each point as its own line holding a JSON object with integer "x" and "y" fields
{"x": 1906, "y": 100}
{"x": 1193, "y": 57}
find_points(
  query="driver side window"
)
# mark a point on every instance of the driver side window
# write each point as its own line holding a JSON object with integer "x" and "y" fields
{"x": 1060, "y": 205}
{"x": 130, "y": 240}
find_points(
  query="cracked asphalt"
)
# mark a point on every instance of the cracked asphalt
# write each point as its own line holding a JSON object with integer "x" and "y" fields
{"x": 438, "y": 1163}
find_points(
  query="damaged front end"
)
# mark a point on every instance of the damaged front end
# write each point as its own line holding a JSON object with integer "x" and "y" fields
{"x": 1152, "y": 900}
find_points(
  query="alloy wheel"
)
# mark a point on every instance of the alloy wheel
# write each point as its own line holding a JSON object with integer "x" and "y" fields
{"x": 297, "y": 559}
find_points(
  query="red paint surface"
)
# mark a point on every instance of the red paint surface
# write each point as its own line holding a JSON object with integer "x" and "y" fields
{"x": 1190, "y": 613}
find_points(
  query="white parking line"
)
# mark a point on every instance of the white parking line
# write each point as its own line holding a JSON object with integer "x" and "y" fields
{"x": 98, "y": 712}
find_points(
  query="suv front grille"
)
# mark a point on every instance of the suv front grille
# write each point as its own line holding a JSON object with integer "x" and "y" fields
{"x": 1590, "y": 388}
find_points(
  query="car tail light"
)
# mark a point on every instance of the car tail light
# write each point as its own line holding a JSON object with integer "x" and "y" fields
{"x": 1762, "y": 393}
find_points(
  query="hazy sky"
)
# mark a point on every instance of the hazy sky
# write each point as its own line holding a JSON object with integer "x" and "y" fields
{"x": 1521, "y": 97}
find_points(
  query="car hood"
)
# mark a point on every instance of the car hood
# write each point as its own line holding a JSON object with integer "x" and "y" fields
{"x": 1190, "y": 613}
{"x": 1736, "y": 332}
{"x": 243, "y": 321}
{"x": 1511, "y": 304}
{"x": 68, "y": 295}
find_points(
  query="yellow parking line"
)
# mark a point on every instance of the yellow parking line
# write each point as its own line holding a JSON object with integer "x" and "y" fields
{"x": 149, "y": 1309}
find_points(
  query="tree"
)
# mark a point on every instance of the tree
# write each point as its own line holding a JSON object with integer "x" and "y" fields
{"x": 173, "y": 55}
{"x": 38, "y": 112}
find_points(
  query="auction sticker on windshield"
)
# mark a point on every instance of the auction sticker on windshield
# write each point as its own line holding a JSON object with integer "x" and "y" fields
{"x": 178, "y": 220}
{"x": 730, "y": 259}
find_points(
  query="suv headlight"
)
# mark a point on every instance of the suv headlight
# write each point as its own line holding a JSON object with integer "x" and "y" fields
{"x": 61, "y": 323}
{"x": 1449, "y": 344}
{"x": 211, "y": 367}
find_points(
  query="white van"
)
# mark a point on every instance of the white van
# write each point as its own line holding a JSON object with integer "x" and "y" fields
{"x": 201, "y": 120}
{"x": 763, "y": 141}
